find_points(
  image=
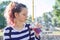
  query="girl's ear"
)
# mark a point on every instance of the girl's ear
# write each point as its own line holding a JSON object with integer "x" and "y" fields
{"x": 16, "y": 15}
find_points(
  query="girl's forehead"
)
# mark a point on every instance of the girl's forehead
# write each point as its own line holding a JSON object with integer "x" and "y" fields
{"x": 24, "y": 10}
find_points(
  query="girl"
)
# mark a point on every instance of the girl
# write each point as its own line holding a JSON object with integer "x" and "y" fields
{"x": 17, "y": 29}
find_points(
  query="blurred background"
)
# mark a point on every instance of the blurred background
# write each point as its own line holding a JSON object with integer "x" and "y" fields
{"x": 46, "y": 12}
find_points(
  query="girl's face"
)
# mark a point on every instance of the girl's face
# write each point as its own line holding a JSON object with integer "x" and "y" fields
{"x": 22, "y": 16}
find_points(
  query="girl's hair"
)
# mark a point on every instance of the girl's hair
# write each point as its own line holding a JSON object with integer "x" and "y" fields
{"x": 11, "y": 9}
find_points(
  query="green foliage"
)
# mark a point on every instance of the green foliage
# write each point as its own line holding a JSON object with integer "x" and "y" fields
{"x": 56, "y": 11}
{"x": 29, "y": 19}
{"x": 2, "y": 8}
{"x": 47, "y": 18}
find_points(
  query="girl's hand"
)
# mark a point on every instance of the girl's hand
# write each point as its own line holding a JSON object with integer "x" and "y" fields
{"x": 38, "y": 25}
{"x": 37, "y": 29}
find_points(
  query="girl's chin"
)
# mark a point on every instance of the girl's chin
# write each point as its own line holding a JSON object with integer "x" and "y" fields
{"x": 24, "y": 21}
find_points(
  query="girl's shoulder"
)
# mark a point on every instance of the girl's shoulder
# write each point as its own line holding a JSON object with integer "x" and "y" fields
{"x": 27, "y": 25}
{"x": 8, "y": 28}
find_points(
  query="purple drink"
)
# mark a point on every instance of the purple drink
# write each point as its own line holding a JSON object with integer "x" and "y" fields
{"x": 37, "y": 30}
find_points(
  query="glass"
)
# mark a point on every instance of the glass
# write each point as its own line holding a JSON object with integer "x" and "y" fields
{"x": 37, "y": 30}
{"x": 35, "y": 26}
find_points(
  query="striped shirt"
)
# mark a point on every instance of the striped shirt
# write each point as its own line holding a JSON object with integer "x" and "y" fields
{"x": 18, "y": 35}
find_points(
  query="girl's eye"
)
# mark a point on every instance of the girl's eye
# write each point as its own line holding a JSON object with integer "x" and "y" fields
{"x": 24, "y": 15}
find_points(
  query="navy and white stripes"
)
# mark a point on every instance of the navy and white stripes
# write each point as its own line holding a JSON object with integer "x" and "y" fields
{"x": 18, "y": 35}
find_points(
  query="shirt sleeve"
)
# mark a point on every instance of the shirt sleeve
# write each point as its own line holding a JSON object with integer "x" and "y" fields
{"x": 6, "y": 34}
{"x": 37, "y": 38}
{"x": 32, "y": 32}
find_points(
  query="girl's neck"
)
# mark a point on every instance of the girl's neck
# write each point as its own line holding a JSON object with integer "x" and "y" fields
{"x": 19, "y": 25}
